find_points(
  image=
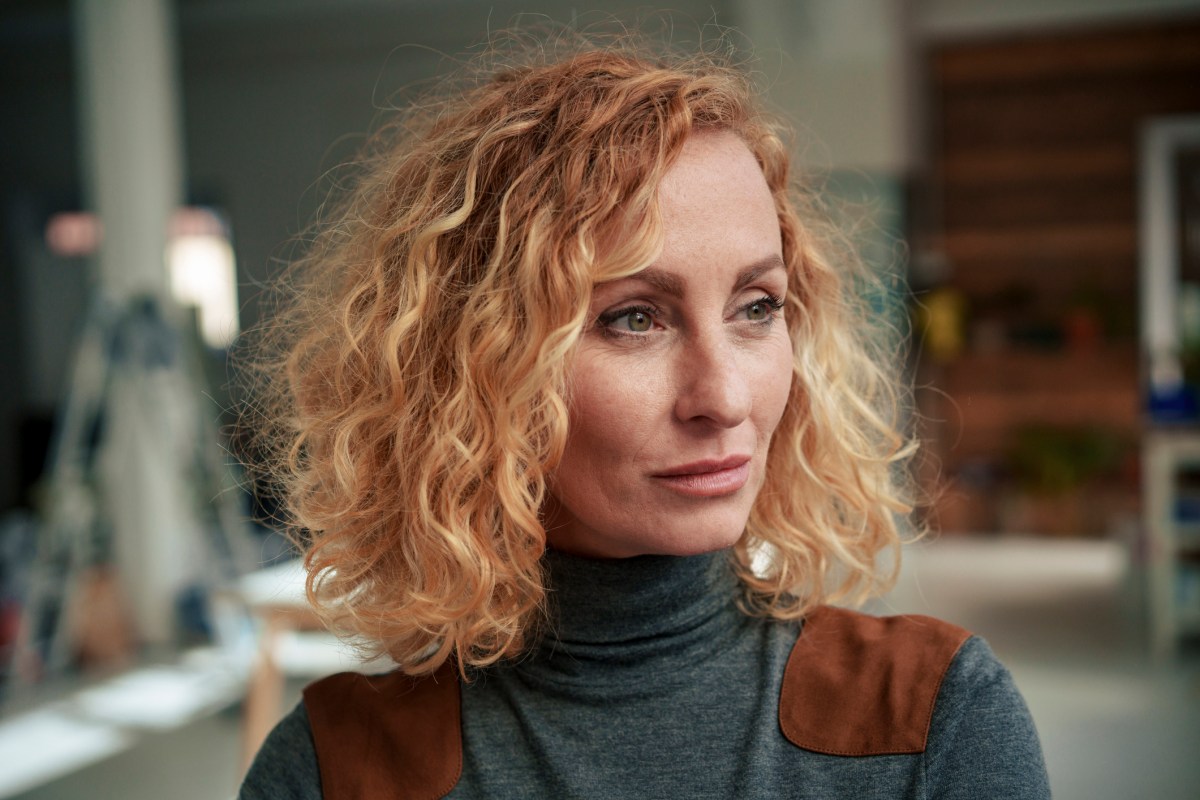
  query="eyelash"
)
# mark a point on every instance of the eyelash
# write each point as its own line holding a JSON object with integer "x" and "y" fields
{"x": 606, "y": 320}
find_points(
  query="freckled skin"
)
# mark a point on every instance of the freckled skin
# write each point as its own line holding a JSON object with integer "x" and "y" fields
{"x": 699, "y": 377}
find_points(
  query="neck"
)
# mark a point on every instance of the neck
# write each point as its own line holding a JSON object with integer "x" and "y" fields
{"x": 624, "y": 619}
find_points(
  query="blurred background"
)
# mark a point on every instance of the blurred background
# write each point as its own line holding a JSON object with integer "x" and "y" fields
{"x": 1030, "y": 169}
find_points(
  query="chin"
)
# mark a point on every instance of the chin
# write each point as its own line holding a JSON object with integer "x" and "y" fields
{"x": 692, "y": 544}
{"x": 670, "y": 532}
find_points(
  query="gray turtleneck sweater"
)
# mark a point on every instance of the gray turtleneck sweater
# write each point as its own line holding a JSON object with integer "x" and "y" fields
{"x": 651, "y": 684}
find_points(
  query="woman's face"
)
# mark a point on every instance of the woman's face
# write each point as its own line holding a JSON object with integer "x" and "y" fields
{"x": 682, "y": 374}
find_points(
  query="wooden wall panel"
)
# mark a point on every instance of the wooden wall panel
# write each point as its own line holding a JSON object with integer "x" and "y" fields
{"x": 1033, "y": 193}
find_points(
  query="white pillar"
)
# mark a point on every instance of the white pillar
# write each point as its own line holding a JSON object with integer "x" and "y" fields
{"x": 130, "y": 117}
{"x": 129, "y": 106}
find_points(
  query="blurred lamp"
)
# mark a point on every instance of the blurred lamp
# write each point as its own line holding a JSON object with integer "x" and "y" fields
{"x": 200, "y": 263}
{"x": 202, "y": 273}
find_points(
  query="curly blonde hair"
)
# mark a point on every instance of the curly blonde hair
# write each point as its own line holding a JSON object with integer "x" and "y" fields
{"x": 416, "y": 399}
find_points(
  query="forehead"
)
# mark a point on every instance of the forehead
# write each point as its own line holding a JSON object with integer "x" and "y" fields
{"x": 715, "y": 204}
{"x": 711, "y": 159}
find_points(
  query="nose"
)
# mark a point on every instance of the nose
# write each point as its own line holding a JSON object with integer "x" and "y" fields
{"x": 712, "y": 384}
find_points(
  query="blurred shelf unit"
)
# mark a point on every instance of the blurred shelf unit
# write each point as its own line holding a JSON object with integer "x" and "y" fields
{"x": 1172, "y": 487}
{"x": 998, "y": 392}
{"x": 1027, "y": 229}
{"x": 1169, "y": 252}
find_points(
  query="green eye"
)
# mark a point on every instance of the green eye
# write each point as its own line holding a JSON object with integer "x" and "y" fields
{"x": 628, "y": 320}
{"x": 763, "y": 310}
{"x": 639, "y": 321}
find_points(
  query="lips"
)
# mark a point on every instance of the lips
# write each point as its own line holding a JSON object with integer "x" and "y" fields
{"x": 709, "y": 478}
{"x": 702, "y": 467}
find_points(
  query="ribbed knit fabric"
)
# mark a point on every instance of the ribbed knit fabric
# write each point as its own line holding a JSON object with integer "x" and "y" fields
{"x": 649, "y": 683}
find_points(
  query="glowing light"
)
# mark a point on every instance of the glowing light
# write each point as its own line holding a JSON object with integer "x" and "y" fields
{"x": 73, "y": 233}
{"x": 203, "y": 274}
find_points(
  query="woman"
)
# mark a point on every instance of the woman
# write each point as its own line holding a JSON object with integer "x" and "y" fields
{"x": 567, "y": 363}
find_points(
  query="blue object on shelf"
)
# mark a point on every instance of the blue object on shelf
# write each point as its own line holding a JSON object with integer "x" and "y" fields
{"x": 1174, "y": 404}
{"x": 1187, "y": 510}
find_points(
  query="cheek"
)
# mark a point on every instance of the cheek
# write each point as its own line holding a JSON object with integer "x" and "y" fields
{"x": 612, "y": 411}
{"x": 774, "y": 388}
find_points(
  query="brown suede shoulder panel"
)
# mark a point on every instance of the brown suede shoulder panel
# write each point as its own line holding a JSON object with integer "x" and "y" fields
{"x": 389, "y": 736}
{"x": 857, "y": 685}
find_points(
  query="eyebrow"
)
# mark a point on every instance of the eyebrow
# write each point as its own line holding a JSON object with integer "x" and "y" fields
{"x": 753, "y": 272}
{"x": 672, "y": 285}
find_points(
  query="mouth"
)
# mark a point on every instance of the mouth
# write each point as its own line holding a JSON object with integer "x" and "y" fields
{"x": 712, "y": 478}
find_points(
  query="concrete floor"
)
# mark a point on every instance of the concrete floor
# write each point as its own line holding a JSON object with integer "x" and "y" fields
{"x": 1064, "y": 616}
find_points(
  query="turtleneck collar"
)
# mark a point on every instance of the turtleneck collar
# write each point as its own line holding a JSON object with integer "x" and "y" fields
{"x": 625, "y": 619}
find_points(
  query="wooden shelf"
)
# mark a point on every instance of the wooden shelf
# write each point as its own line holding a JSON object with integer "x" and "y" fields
{"x": 1157, "y": 47}
{"x": 988, "y": 396}
{"x": 1019, "y": 369}
{"x": 1033, "y": 204}
{"x": 1076, "y": 242}
{"x": 1034, "y": 166}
